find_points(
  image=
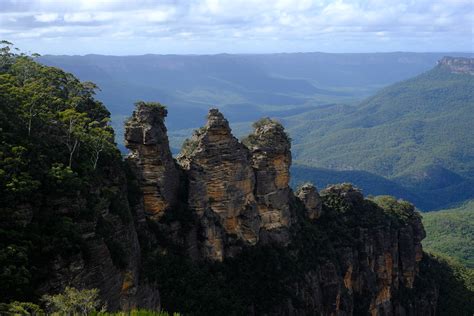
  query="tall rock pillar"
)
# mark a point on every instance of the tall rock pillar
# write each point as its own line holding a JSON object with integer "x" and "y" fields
{"x": 151, "y": 159}
{"x": 269, "y": 146}
{"x": 221, "y": 186}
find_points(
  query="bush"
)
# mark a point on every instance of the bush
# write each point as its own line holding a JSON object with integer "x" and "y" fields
{"x": 74, "y": 302}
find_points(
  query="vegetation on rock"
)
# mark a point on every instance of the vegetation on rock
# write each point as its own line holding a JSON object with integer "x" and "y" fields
{"x": 71, "y": 211}
{"x": 55, "y": 149}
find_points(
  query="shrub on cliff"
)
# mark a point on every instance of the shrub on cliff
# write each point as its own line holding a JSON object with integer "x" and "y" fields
{"x": 74, "y": 302}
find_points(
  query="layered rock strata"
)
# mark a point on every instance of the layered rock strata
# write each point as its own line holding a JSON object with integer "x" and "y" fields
{"x": 150, "y": 156}
{"x": 459, "y": 65}
{"x": 221, "y": 186}
{"x": 269, "y": 147}
{"x": 369, "y": 275}
{"x": 239, "y": 196}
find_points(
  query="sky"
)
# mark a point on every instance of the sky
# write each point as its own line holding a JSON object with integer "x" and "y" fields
{"x": 135, "y": 27}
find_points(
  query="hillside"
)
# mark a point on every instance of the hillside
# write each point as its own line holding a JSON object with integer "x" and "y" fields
{"x": 415, "y": 132}
{"x": 451, "y": 232}
{"x": 217, "y": 230}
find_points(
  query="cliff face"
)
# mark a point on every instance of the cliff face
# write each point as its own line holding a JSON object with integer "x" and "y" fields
{"x": 220, "y": 231}
{"x": 370, "y": 274}
{"x": 221, "y": 185}
{"x": 271, "y": 159}
{"x": 150, "y": 155}
{"x": 99, "y": 246}
{"x": 459, "y": 65}
{"x": 350, "y": 255}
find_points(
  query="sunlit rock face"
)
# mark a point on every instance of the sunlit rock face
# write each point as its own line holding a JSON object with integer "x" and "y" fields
{"x": 151, "y": 159}
{"x": 237, "y": 196}
{"x": 269, "y": 147}
{"x": 221, "y": 186}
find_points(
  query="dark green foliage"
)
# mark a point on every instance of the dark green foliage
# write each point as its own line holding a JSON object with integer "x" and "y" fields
{"x": 20, "y": 308}
{"x": 260, "y": 277}
{"x": 137, "y": 312}
{"x": 401, "y": 211}
{"x": 451, "y": 233}
{"x": 455, "y": 283}
{"x": 150, "y": 104}
{"x": 56, "y": 152}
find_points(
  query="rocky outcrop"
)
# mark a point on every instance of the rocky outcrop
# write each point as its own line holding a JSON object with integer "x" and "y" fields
{"x": 459, "y": 65}
{"x": 150, "y": 157}
{"x": 109, "y": 257}
{"x": 370, "y": 275}
{"x": 221, "y": 186}
{"x": 269, "y": 147}
{"x": 309, "y": 196}
{"x": 239, "y": 197}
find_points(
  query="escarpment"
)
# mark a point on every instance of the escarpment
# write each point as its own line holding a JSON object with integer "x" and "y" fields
{"x": 219, "y": 231}
{"x": 216, "y": 231}
{"x": 458, "y": 65}
{"x": 348, "y": 255}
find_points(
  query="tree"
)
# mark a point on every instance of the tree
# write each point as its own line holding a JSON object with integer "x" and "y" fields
{"x": 99, "y": 140}
{"x": 23, "y": 308}
{"x": 75, "y": 302}
{"x": 75, "y": 124}
{"x": 7, "y": 57}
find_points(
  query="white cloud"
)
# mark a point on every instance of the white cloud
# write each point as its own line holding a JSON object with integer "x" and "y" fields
{"x": 79, "y": 17}
{"x": 46, "y": 17}
{"x": 311, "y": 24}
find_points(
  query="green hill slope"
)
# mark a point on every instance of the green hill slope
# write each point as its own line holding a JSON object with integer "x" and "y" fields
{"x": 417, "y": 132}
{"x": 451, "y": 232}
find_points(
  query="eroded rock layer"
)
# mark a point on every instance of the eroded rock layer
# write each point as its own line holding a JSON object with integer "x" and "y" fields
{"x": 459, "y": 65}
{"x": 349, "y": 255}
{"x": 269, "y": 146}
{"x": 221, "y": 185}
{"x": 150, "y": 156}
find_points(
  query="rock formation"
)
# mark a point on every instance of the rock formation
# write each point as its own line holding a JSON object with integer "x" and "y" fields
{"x": 308, "y": 194}
{"x": 459, "y": 65}
{"x": 240, "y": 199}
{"x": 110, "y": 257}
{"x": 333, "y": 253}
{"x": 146, "y": 138}
{"x": 269, "y": 147}
{"x": 221, "y": 185}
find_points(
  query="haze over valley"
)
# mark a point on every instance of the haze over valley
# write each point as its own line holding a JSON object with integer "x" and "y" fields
{"x": 237, "y": 157}
{"x": 325, "y": 101}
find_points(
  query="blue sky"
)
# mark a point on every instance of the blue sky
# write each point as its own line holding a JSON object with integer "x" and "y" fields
{"x": 132, "y": 27}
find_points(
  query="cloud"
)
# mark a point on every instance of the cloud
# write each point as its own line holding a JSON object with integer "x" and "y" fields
{"x": 238, "y": 25}
{"x": 46, "y": 17}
